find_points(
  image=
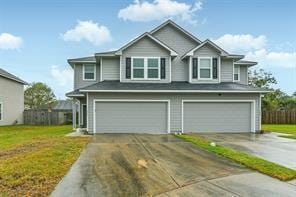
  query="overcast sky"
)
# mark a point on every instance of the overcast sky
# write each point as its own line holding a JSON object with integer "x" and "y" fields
{"x": 37, "y": 37}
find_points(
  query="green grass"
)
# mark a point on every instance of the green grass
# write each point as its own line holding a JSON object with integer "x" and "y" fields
{"x": 253, "y": 162}
{"x": 281, "y": 128}
{"x": 33, "y": 159}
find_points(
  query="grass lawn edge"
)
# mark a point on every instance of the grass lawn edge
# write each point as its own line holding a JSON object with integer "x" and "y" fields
{"x": 256, "y": 163}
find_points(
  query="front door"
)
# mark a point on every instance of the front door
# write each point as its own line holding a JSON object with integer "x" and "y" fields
{"x": 84, "y": 116}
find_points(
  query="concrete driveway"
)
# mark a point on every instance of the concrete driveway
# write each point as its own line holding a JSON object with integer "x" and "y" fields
{"x": 161, "y": 165}
{"x": 268, "y": 146}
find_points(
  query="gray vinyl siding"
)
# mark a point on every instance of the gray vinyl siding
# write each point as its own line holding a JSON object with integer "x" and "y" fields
{"x": 181, "y": 43}
{"x": 226, "y": 70}
{"x": 78, "y": 76}
{"x": 110, "y": 68}
{"x": 124, "y": 117}
{"x": 145, "y": 48}
{"x": 175, "y": 103}
{"x": 206, "y": 51}
{"x": 12, "y": 99}
{"x": 244, "y": 75}
{"x": 217, "y": 117}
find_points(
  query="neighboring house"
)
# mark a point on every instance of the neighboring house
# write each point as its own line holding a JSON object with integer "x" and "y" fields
{"x": 163, "y": 81}
{"x": 11, "y": 99}
{"x": 64, "y": 109}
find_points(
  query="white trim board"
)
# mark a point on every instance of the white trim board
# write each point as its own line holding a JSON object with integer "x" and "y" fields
{"x": 87, "y": 110}
{"x": 131, "y": 101}
{"x": 253, "y": 105}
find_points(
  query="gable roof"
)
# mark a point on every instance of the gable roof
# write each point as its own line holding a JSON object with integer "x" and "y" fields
{"x": 7, "y": 75}
{"x": 207, "y": 41}
{"x": 89, "y": 59}
{"x": 177, "y": 27}
{"x": 63, "y": 105}
{"x": 146, "y": 34}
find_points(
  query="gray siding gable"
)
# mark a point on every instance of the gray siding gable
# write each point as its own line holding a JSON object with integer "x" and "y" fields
{"x": 149, "y": 48}
{"x": 181, "y": 43}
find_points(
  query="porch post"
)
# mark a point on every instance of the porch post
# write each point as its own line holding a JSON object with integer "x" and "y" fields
{"x": 74, "y": 115}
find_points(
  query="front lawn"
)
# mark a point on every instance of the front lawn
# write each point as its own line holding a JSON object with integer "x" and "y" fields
{"x": 281, "y": 128}
{"x": 253, "y": 162}
{"x": 33, "y": 159}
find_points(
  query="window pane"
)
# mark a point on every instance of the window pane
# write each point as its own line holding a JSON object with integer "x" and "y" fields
{"x": 0, "y": 111}
{"x": 205, "y": 73}
{"x": 138, "y": 73}
{"x": 89, "y": 68}
{"x": 152, "y": 73}
{"x": 89, "y": 75}
{"x": 138, "y": 62}
{"x": 235, "y": 76}
{"x": 152, "y": 63}
{"x": 205, "y": 63}
{"x": 236, "y": 69}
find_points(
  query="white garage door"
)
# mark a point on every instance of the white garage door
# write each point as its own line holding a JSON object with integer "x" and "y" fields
{"x": 217, "y": 117}
{"x": 131, "y": 117}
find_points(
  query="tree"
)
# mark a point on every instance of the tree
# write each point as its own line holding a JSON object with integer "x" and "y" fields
{"x": 261, "y": 79}
{"x": 38, "y": 95}
{"x": 275, "y": 100}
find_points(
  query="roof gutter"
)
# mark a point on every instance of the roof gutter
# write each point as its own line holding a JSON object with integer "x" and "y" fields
{"x": 182, "y": 91}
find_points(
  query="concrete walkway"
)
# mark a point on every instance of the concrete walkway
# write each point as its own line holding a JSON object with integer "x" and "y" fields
{"x": 268, "y": 146}
{"x": 161, "y": 165}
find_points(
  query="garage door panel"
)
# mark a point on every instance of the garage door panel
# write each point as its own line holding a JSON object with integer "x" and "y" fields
{"x": 131, "y": 117}
{"x": 217, "y": 117}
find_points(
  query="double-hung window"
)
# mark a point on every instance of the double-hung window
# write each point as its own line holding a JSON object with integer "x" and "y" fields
{"x": 205, "y": 68}
{"x": 89, "y": 72}
{"x": 1, "y": 111}
{"x": 138, "y": 68}
{"x": 145, "y": 68}
{"x": 236, "y": 73}
{"x": 153, "y": 68}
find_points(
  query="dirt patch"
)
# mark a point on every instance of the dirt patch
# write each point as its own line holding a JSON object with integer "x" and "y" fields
{"x": 22, "y": 149}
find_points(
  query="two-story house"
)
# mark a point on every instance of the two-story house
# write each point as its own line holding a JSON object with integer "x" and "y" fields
{"x": 11, "y": 99}
{"x": 163, "y": 81}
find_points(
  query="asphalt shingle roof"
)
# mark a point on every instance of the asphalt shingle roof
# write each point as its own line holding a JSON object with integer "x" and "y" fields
{"x": 7, "y": 75}
{"x": 224, "y": 86}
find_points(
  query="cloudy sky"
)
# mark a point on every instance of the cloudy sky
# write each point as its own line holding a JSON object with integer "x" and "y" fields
{"x": 37, "y": 37}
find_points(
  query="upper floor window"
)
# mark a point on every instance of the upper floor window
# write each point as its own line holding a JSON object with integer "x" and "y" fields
{"x": 1, "y": 111}
{"x": 89, "y": 72}
{"x": 236, "y": 73}
{"x": 145, "y": 68}
{"x": 205, "y": 68}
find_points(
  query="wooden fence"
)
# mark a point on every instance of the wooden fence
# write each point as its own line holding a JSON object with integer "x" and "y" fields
{"x": 44, "y": 117}
{"x": 279, "y": 117}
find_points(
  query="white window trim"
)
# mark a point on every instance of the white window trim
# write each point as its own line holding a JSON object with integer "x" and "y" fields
{"x": 145, "y": 68}
{"x": 101, "y": 69}
{"x": 95, "y": 71}
{"x": 211, "y": 68}
{"x": 133, "y": 100}
{"x": 253, "y": 112}
{"x": 1, "y": 111}
{"x": 238, "y": 78}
